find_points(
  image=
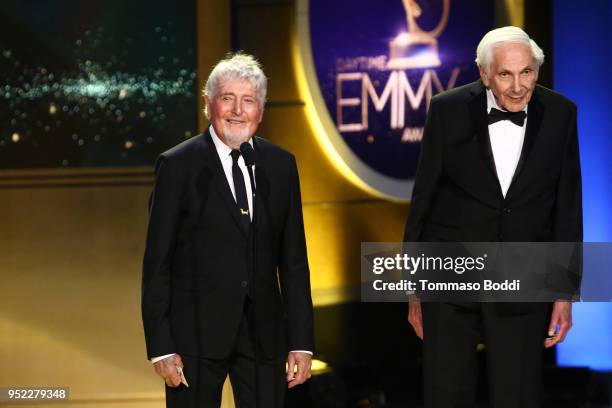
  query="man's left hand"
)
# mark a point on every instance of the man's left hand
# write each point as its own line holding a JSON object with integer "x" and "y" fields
{"x": 303, "y": 362}
{"x": 562, "y": 319}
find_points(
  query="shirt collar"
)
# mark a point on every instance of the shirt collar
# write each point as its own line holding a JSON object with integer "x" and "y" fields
{"x": 223, "y": 150}
{"x": 492, "y": 102}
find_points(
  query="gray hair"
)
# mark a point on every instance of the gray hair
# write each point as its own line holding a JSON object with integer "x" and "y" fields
{"x": 509, "y": 34}
{"x": 237, "y": 67}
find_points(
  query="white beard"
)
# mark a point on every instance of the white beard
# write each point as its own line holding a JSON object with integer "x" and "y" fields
{"x": 235, "y": 139}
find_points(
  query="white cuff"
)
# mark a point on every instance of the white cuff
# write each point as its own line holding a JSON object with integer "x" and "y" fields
{"x": 156, "y": 359}
{"x": 301, "y": 351}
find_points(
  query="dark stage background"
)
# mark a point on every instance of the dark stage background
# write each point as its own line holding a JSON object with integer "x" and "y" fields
{"x": 95, "y": 83}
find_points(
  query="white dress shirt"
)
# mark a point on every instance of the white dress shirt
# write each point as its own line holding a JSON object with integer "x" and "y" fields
{"x": 224, "y": 152}
{"x": 506, "y": 143}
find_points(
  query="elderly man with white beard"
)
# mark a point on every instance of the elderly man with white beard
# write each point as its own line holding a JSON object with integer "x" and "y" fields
{"x": 225, "y": 231}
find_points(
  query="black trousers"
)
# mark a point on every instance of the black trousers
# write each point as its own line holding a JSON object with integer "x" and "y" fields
{"x": 514, "y": 339}
{"x": 262, "y": 380}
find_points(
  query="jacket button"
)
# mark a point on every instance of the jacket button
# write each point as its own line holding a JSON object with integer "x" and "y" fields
{"x": 507, "y": 210}
{"x": 244, "y": 284}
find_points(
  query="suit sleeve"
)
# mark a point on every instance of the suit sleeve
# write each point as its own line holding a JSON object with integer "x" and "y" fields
{"x": 568, "y": 205}
{"x": 294, "y": 273}
{"x": 428, "y": 174}
{"x": 567, "y": 221}
{"x": 164, "y": 214}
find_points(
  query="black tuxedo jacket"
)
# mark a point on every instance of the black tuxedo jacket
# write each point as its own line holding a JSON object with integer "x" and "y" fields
{"x": 457, "y": 196}
{"x": 197, "y": 263}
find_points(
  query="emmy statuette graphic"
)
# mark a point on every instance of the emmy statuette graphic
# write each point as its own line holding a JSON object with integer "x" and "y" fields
{"x": 417, "y": 48}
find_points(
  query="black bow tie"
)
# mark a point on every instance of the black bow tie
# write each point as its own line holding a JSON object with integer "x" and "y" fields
{"x": 518, "y": 118}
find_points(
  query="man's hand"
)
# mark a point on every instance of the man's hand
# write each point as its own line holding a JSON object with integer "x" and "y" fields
{"x": 166, "y": 369}
{"x": 303, "y": 362}
{"x": 415, "y": 316}
{"x": 561, "y": 318}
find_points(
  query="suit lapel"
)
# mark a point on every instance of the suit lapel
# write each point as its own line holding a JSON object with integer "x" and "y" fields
{"x": 535, "y": 112}
{"x": 478, "y": 113}
{"x": 220, "y": 181}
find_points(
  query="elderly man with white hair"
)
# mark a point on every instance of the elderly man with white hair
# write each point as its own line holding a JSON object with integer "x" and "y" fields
{"x": 225, "y": 283}
{"x": 499, "y": 162}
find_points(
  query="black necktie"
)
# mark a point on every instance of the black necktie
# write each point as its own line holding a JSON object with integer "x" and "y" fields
{"x": 240, "y": 190}
{"x": 518, "y": 118}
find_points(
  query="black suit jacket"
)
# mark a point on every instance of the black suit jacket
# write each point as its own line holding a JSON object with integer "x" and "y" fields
{"x": 197, "y": 262}
{"x": 457, "y": 196}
